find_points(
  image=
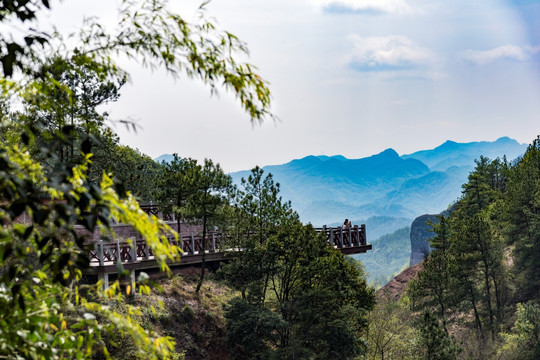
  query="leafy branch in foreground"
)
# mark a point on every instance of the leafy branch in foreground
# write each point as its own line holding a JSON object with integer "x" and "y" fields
{"x": 45, "y": 313}
{"x": 151, "y": 35}
{"x": 41, "y": 261}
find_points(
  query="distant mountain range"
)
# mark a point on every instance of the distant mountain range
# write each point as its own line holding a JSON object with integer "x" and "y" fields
{"x": 327, "y": 189}
{"x": 453, "y": 154}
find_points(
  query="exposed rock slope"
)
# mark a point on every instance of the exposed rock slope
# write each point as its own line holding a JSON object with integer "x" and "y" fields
{"x": 395, "y": 289}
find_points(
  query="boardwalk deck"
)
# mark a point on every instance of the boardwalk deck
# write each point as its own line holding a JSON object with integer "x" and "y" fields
{"x": 130, "y": 252}
{"x": 134, "y": 254}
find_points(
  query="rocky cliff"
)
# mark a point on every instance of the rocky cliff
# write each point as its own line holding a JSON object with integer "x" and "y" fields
{"x": 395, "y": 289}
{"x": 420, "y": 234}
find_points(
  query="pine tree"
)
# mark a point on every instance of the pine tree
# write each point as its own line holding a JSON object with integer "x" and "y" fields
{"x": 436, "y": 342}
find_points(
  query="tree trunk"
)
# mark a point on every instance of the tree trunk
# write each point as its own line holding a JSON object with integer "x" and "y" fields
{"x": 203, "y": 246}
{"x": 476, "y": 315}
{"x": 497, "y": 296}
{"x": 487, "y": 283}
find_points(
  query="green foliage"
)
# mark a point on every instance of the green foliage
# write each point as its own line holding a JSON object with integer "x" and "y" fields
{"x": 44, "y": 312}
{"x": 48, "y": 178}
{"x": 256, "y": 213}
{"x": 253, "y": 329}
{"x": 174, "y": 185}
{"x": 13, "y": 53}
{"x": 436, "y": 343}
{"x": 194, "y": 191}
{"x": 441, "y": 240}
{"x": 523, "y": 342}
{"x": 465, "y": 270}
{"x": 209, "y": 188}
{"x": 147, "y": 33}
{"x": 484, "y": 185}
{"x": 305, "y": 291}
{"x": 434, "y": 287}
{"x": 388, "y": 256}
{"x": 136, "y": 171}
{"x": 521, "y": 214}
{"x": 207, "y": 200}
{"x": 485, "y": 258}
{"x": 391, "y": 332}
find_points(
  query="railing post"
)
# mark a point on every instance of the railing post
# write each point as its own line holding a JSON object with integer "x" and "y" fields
{"x": 325, "y": 234}
{"x": 332, "y": 237}
{"x": 341, "y": 237}
{"x": 364, "y": 235}
{"x": 132, "y": 280}
{"x": 181, "y": 242}
{"x": 132, "y": 249}
{"x": 358, "y": 242}
{"x": 100, "y": 253}
{"x": 192, "y": 244}
{"x": 105, "y": 278}
{"x": 146, "y": 251}
{"x": 213, "y": 248}
{"x": 350, "y": 237}
{"x": 222, "y": 241}
{"x": 118, "y": 253}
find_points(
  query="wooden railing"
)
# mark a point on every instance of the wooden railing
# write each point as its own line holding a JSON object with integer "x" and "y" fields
{"x": 131, "y": 250}
{"x": 348, "y": 240}
{"x": 342, "y": 237}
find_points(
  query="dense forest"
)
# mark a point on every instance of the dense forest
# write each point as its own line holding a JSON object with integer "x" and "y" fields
{"x": 478, "y": 294}
{"x": 289, "y": 295}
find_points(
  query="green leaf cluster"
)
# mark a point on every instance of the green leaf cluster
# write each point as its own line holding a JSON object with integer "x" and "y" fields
{"x": 301, "y": 298}
{"x": 45, "y": 312}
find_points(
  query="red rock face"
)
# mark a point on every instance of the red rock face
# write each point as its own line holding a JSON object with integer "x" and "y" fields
{"x": 395, "y": 289}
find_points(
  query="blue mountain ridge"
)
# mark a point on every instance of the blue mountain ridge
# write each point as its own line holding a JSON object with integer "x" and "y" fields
{"x": 452, "y": 153}
{"x": 327, "y": 189}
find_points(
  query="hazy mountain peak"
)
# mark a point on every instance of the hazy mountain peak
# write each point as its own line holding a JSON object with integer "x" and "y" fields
{"x": 164, "y": 157}
{"x": 388, "y": 153}
{"x": 506, "y": 140}
{"x": 307, "y": 160}
{"x": 452, "y": 153}
{"x": 325, "y": 157}
{"x": 447, "y": 143}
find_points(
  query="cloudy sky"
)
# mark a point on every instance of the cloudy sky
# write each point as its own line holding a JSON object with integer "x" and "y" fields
{"x": 349, "y": 77}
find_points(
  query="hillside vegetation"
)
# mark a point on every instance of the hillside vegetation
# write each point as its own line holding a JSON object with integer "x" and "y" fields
{"x": 390, "y": 255}
{"x": 479, "y": 291}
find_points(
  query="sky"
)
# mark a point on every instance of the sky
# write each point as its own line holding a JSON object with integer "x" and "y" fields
{"x": 348, "y": 77}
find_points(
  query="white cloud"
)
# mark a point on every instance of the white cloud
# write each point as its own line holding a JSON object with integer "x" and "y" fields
{"x": 509, "y": 52}
{"x": 384, "y": 6}
{"x": 389, "y": 53}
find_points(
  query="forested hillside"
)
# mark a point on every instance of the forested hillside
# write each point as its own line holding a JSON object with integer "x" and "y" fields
{"x": 390, "y": 255}
{"x": 283, "y": 291}
{"x": 479, "y": 292}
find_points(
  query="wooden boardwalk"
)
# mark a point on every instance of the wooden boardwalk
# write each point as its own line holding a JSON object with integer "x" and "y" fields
{"x": 132, "y": 253}
{"x": 135, "y": 256}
